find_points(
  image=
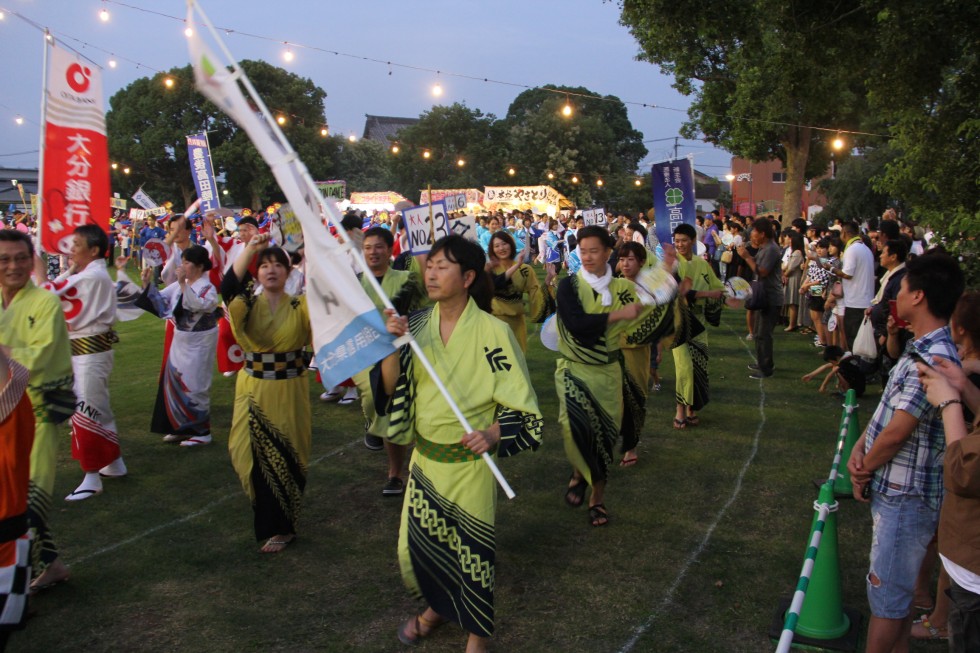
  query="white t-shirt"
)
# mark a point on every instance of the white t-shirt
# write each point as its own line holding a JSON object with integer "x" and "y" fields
{"x": 859, "y": 264}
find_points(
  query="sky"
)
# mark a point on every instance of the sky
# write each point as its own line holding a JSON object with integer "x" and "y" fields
{"x": 527, "y": 43}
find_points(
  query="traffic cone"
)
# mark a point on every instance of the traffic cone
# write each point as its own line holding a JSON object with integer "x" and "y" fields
{"x": 822, "y": 615}
{"x": 842, "y": 486}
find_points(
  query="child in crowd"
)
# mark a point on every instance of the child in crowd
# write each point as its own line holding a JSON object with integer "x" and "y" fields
{"x": 843, "y": 366}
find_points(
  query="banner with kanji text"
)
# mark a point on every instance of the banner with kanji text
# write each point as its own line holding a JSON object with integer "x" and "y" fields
{"x": 199, "y": 153}
{"x": 673, "y": 197}
{"x": 75, "y": 175}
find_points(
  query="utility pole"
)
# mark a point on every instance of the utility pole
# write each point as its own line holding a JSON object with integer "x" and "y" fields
{"x": 676, "y": 139}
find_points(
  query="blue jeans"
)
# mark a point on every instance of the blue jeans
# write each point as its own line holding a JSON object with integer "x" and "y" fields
{"x": 902, "y": 527}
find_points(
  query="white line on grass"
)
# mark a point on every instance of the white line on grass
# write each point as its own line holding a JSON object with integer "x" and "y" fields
{"x": 208, "y": 508}
{"x": 696, "y": 553}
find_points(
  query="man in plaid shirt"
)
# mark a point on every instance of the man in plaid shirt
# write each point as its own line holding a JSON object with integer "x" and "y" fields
{"x": 897, "y": 463}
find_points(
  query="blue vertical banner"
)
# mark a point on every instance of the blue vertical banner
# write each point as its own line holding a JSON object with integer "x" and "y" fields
{"x": 200, "y": 156}
{"x": 673, "y": 197}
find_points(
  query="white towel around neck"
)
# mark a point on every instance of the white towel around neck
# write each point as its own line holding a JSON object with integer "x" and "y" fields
{"x": 600, "y": 284}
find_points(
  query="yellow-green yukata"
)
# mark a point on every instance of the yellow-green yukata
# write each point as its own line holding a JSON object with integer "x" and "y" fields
{"x": 446, "y": 541}
{"x": 34, "y": 328}
{"x": 508, "y": 300}
{"x": 691, "y": 358}
{"x": 407, "y": 295}
{"x": 594, "y": 401}
{"x": 271, "y": 427}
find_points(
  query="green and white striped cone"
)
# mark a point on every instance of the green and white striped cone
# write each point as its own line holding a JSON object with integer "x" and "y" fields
{"x": 822, "y": 615}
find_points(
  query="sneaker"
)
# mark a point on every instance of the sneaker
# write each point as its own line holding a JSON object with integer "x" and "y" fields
{"x": 748, "y": 337}
{"x": 373, "y": 442}
{"x": 174, "y": 438}
{"x": 115, "y": 469}
{"x": 758, "y": 375}
{"x": 753, "y": 366}
{"x": 197, "y": 441}
{"x": 395, "y": 487}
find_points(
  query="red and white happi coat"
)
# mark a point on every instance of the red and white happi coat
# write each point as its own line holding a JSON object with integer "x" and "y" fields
{"x": 88, "y": 299}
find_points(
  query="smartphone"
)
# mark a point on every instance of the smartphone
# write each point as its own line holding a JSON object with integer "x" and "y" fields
{"x": 866, "y": 491}
{"x": 893, "y": 310}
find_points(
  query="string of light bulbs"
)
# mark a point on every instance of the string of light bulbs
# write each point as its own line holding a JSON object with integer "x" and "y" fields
{"x": 282, "y": 116}
{"x": 437, "y": 88}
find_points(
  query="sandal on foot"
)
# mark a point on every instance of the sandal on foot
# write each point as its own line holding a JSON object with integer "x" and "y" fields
{"x": 276, "y": 542}
{"x": 628, "y": 462}
{"x": 81, "y": 495}
{"x": 922, "y": 628}
{"x": 575, "y": 493}
{"x": 692, "y": 420}
{"x": 680, "y": 423}
{"x": 413, "y": 637}
{"x": 38, "y": 587}
{"x": 598, "y": 515}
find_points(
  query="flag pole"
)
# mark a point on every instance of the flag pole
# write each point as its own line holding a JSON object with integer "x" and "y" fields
{"x": 329, "y": 209}
{"x": 40, "y": 159}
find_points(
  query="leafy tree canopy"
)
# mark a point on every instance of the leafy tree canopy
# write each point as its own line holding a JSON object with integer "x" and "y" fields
{"x": 761, "y": 73}
{"x": 147, "y": 124}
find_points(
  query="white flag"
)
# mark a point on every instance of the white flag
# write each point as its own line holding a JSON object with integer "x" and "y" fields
{"x": 349, "y": 334}
{"x": 144, "y": 200}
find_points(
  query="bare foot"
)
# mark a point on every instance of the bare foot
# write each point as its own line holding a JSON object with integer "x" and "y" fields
{"x": 55, "y": 574}
{"x": 277, "y": 543}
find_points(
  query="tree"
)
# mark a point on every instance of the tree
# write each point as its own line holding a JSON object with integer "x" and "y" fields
{"x": 850, "y": 193}
{"x": 924, "y": 83}
{"x": 148, "y": 123}
{"x": 597, "y": 141}
{"x": 762, "y": 73}
{"x": 364, "y": 165}
{"x": 449, "y": 135}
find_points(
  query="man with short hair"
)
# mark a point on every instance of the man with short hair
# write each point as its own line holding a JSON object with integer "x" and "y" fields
{"x": 88, "y": 297}
{"x": 766, "y": 264}
{"x": 32, "y": 325}
{"x": 178, "y": 239}
{"x": 898, "y": 462}
{"x": 857, "y": 279}
{"x": 405, "y": 290}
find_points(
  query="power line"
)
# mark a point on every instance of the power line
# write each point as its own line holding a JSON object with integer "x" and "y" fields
{"x": 438, "y": 72}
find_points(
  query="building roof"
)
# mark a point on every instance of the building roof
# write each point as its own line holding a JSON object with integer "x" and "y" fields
{"x": 384, "y": 129}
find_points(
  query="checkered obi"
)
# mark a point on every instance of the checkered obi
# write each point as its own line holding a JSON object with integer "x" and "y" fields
{"x": 445, "y": 453}
{"x": 275, "y": 366}
{"x": 94, "y": 344}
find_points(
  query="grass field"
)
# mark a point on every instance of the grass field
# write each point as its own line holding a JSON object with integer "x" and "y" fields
{"x": 707, "y": 532}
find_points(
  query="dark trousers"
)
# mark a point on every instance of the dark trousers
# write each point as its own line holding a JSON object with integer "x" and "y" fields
{"x": 763, "y": 325}
{"x": 853, "y": 317}
{"x": 964, "y": 619}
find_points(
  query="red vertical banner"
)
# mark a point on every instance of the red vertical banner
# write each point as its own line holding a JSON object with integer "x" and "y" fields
{"x": 75, "y": 177}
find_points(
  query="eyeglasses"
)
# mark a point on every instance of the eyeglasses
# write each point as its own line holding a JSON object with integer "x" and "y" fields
{"x": 20, "y": 259}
